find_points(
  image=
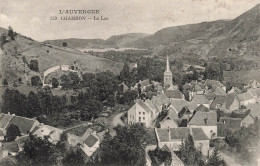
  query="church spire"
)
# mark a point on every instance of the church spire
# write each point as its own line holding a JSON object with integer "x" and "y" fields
{"x": 167, "y": 64}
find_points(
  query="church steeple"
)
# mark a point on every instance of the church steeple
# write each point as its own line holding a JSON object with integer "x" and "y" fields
{"x": 167, "y": 64}
{"x": 167, "y": 74}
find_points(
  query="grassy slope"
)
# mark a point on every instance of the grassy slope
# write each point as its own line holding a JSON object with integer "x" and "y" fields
{"x": 13, "y": 67}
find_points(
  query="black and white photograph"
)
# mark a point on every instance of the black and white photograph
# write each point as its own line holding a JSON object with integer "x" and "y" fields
{"x": 130, "y": 82}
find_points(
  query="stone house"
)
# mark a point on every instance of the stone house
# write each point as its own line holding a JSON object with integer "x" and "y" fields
{"x": 174, "y": 137}
{"x": 205, "y": 120}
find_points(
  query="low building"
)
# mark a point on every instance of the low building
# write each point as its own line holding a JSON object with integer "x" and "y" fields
{"x": 227, "y": 103}
{"x": 245, "y": 99}
{"x": 201, "y": 99}
{"x": 174, "y": 137}
{"x": 46, "y": 130}
{"x": 171, "y": 120}
{"x": 232, "y": 124}
{"x": 205, "y": 120}
{"x": 213, "y": 84}
{"x": 141, "y": 113}
{"x": 25, "y": 125}
{"x": 90, "y": 144}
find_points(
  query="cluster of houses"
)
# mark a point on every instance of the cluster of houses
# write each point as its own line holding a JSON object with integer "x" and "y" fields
{"x": 195, "y": 114}
{"x": 88, "y": 142}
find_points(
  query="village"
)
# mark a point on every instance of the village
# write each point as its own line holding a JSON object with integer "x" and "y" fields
{"x": 169, "y": 114}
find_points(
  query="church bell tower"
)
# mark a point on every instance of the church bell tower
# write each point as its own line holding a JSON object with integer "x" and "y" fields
{"x": 167, "y": 75}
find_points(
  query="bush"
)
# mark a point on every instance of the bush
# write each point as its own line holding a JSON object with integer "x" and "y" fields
{"x": 36, "y": 81}
{"x": 5, "y": 83}
{"x": 34, "y": 65}
{"x": 55, "y": 83}
{"x": 12, "y": 132}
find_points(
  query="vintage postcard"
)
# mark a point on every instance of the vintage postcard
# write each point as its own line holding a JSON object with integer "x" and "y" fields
{"x": 130, "y": 82}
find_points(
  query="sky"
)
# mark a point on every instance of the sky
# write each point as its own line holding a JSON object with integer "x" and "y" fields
{"x": 32, "y": 17}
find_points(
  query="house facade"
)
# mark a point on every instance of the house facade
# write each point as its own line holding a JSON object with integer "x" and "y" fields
{"x": 141, "y": 113}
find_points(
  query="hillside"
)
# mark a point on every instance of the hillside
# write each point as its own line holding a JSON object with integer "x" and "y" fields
{"x": 124, "y": 39}
{"x": 77, "y": 43}
{"x": 112, "y": 42}
{"x": 17, "y": 54}
{"x": 223, "y": 38}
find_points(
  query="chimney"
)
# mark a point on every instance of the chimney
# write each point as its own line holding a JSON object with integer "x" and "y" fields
{"x": 8, "y": 113}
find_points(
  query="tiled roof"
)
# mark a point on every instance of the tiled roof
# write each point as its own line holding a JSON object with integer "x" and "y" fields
{"x": 178, "y": 104}
{"x": 219, "y": 91}
{"x": 171, "y": 114}
{"x": 244, "y": 96}
{"x": 174, "y": 94}
{"x": 160, "y": 99}
{"x": 198, "y": 134}
{"x": 200, "y": 99}
{"x": 202, "y": 108}
{"x": 11, "y": 146}
{"x": 4, "y": 120}
{"x": 175, "y": 160}
{"x": 204, "y": 119}
{"x": 232, "y": 123}
{"x": 25, "y": 124}
{"x": 180, "y": 133}
{"x": 218, "y": 100}
{"x": 192, "y": 105}
{"x": 255, "y": 110}
{"x": 213, "y": 83}
{"x": 144, "y": 106}
{"x": 163, "y": 135}
{"x": 223, "y": 100}
{"x": 197, "y": 88}
{"x": 150, "y": 104}
{"x": 145, "y": 82}
{"x": 91, "y": 140}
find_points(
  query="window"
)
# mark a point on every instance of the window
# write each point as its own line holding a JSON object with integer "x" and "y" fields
{"x": 139, "y": 113}
{"x": 143, "y": 113}
{"x": 143, "y": 118}
{"x": 139, "y": 118}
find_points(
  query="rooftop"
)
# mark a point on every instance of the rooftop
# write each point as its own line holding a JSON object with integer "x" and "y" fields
{"x": 204, "y": 119}
{"x": 91, "y": 140}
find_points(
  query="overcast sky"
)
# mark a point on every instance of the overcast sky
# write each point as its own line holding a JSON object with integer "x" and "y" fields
{"x": 32, "y": 17}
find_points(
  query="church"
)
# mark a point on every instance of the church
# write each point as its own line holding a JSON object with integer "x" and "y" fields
{"x": 171, "y": 91}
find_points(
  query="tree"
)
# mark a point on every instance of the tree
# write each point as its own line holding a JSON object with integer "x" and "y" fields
{"x": 5, "y": 83}
{"x": 126, "y": 148}
{"x": 11, "y": 33}
{"x": 34, "y": 65}
{"x": 55, "y": 83}
{"x": 189, "y": 154}
{"x": 64, "y": 44}
{"x": 3, "y": 40}
{"x": 215, "y": 159}
{"x": 36, "y": 81}
{"x": 65, "y": 81}
{"x": 74, "y": 157}
{"x": 12, "y": 132}
{"x": 38, "y": 151}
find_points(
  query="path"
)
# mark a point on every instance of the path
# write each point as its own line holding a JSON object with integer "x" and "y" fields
{"x": 82, "y": 124}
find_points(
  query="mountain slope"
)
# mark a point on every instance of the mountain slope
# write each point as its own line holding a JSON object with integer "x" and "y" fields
{"x": 17, "y": 55}
{"x": 113, "y": 41}
{"x": 124, "y": 39}
{"x": 224, "y": 38}
{"x": 77, "y": 43}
